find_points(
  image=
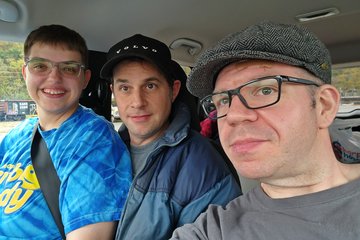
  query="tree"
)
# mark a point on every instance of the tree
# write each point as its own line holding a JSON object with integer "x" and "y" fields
{"x": 12, "y": 85}
{"x": 347, "y": 80}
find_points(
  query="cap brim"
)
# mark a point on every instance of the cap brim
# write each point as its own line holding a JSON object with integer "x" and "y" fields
{"x": 175, "y": 69}
{"x": 107, "y": 70}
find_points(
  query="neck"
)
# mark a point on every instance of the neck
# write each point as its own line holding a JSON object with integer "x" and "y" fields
{"x": 322, "y": 178}
{"x": 50, "y": 121}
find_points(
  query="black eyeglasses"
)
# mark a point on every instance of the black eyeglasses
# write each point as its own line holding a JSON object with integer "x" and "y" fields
{"x": 258, "y": 93}
{"x": 43, "y": 67}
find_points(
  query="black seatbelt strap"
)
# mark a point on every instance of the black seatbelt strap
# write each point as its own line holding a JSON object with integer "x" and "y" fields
{"x": 46, "y": 174}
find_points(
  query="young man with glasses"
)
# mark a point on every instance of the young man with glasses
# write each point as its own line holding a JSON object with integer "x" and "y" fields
{"x": 89, "y": 157}
{"x": 269, "y": 88}
{"x": 177, "y": 172}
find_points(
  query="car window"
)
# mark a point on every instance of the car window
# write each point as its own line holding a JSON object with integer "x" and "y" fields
{"x": 12, "y": 88}
{"x": 347, "y": 81}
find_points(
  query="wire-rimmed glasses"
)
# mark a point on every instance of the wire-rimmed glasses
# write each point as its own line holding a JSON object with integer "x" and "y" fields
{"x": 43, "y": 67}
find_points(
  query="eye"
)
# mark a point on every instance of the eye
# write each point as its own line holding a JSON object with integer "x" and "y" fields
{"x": 70, "y": 68}
{"x": 151, "y": 86}
{"x": 123, "y": 88}
{"x": 39, "y": 66}
{"x": 221, "y": 100}
{"x": 265, "y": 91}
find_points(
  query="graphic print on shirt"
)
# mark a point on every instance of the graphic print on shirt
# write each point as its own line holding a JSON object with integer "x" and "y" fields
{"x": 19, "y": 183}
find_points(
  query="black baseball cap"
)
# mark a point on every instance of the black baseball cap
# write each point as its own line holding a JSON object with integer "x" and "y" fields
{"x": 143, "y": 47}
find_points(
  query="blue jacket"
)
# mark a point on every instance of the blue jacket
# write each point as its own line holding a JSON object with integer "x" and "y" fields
{"x": 182, "y": 176}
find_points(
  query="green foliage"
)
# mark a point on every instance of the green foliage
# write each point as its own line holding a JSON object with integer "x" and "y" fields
{"x": 12, "y": 85}
{"x": 347, "y": 80}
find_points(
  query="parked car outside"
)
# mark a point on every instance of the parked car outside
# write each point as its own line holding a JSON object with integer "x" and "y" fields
{"x": 115, "y": 114}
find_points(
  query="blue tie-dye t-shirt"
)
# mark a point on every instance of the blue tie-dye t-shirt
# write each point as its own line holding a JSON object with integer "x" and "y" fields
{"x": 94, "y": 168}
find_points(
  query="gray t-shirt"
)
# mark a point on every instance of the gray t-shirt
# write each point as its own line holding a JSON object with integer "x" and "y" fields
{"x": 332, "y": 214}
{"x": 139, "y": 155}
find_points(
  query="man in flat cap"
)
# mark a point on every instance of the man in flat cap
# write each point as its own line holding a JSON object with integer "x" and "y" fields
{"x": 269, "y": 88}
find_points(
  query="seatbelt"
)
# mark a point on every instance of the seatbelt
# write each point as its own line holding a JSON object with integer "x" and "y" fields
{"x": 46, "y": 174}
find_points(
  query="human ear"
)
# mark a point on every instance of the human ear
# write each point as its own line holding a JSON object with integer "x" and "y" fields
{"x": 87, "y": 76}
{"x": 23, "y": 71}
{"x": 328, "y": 100}
{"x": 175, "y": 89}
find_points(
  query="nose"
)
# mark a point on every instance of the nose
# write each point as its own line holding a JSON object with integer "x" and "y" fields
{"x": 55, "y": 71}
{"x": 138, "y": 99}
{"x": 238, "y": 112}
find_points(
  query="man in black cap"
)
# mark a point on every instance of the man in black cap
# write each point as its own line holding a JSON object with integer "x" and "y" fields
{"x": 177, "y": 172}
{"x": 269, "y": 86}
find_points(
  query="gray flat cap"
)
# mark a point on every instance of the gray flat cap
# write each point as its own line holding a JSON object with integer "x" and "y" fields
{"x": 284, "y": 43}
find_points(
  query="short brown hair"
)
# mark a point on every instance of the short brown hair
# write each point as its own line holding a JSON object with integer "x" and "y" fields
{"x": 57, "y": 35}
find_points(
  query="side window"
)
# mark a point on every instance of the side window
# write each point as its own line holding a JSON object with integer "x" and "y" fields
{"x": 15, "y": 103}
{"x": 347, "y": 81}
